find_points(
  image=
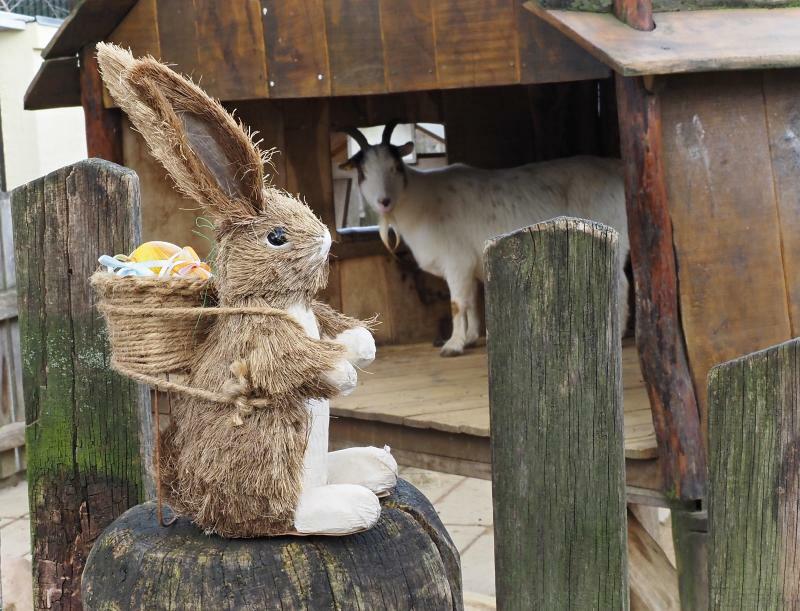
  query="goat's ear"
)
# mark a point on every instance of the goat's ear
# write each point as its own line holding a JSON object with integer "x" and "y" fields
{"x": 207, "y": 153}
{"x": 406, "y": 149}
{"x": 348, "y": 165}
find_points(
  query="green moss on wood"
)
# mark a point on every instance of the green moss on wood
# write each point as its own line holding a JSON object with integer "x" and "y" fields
{"x": 754, "y": 480}
{"x": 84, "y": 465}
{"x": 556, "y": 411}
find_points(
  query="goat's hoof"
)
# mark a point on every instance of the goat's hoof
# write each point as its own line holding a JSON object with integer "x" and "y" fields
{"x": 451, "y": 351}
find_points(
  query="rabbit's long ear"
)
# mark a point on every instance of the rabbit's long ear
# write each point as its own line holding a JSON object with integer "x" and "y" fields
{"x": 211, "y": 157}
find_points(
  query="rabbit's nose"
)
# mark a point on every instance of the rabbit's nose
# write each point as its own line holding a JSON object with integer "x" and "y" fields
{"x": 325, "y": 245}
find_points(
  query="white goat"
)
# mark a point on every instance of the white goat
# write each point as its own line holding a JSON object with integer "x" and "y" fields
{"x": 446, "y": 215}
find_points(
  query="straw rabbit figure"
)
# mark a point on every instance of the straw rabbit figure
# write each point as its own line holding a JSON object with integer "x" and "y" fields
{"x": 236, "y": 470}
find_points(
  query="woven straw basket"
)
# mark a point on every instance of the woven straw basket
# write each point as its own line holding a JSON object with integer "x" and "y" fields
{"x": 148, "y": 326}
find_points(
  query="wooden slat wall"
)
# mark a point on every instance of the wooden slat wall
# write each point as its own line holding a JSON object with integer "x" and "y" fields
{"x": 732, "y": 179}
{"x": 298, "y": 63}
{"x": 410, "y": 44}
{"x": 251, "y": 49}
{"x": 782, "y": 99}
{"x": 12, "y": 407}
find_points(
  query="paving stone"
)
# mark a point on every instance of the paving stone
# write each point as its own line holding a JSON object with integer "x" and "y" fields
{"x": 432, "y": 484}
{"x": 469, "y": 503}
{"x": 17, "y": 584}
{"x": 463, "y": 536}
{"x": 15, "y": 539}
{"x": 14, "y": 501}
{"x": 477, "y": 566}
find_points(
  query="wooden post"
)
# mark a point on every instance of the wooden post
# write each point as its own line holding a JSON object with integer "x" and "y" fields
{"x": 754, "y": 480}
{"x": 556, "y": 415}
{"x": 659, "y": 336}
{"x": 636, "y": 13}
{"x": 83, "y": 434}
{"x": 103, "y": 125}
{"x": 690, "y": 538}
{"x": 406, "y": 561}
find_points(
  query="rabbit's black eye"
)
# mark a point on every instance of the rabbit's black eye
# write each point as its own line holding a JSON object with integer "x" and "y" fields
{"x": 277, "y": 237}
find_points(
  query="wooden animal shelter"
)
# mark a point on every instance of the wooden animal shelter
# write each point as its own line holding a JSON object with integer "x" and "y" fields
{"x": 704, "y": 110}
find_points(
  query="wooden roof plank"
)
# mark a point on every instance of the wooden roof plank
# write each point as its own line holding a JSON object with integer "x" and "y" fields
{"x": 90, "y": 20}
{"x": 690, "y": 41}
{"x": 56, "y": 84}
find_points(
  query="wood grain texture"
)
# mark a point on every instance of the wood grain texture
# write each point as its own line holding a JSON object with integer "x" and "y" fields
{"x": 88, "y": 21}
{"x": 754, "y": 481}
{"x": 12, "y": 436}
{"x": 547, "y": 56}
{"x": 690, "y": 41}
{"x": 659, "y": 335}
{"x": 307, "y": 154}
{"x": 103, "y": 125}
{"x": 411, "y": 385}
{"x": 297, "y": 48}
{"x": 637, "y": 14}
{"x": 56, "y": 84}
{"x": 83, "y": 420}
{"x": 406, "y": 561}
{"x": 355, "y": 47}
{"x": 409, "y": 44}
{"x": 653, "y": 580}
{"x": 724, "y": 217}
{"x": 178, "y": 37}
{"x": 782, "y": 106}
{"x": 166, "y": 214}
{"x": 231, "y": 49}
{"x": 138, "y": 30}
{"x": 555, "y": 389}
{"x": 476, "y": 43}
{"x": 690, "y": 537}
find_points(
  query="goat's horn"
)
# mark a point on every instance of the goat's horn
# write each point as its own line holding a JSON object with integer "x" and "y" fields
{"x": 387, "y": 132}
{"x": 356, "y": 135}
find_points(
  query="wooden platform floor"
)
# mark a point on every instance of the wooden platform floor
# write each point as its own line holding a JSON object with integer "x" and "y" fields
{"x": 412, "y": 386}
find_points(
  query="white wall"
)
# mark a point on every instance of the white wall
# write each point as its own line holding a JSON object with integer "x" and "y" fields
{"x": 40, "y": 141}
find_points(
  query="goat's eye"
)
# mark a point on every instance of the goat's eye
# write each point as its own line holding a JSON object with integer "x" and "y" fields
{"x": 277, "y": 237}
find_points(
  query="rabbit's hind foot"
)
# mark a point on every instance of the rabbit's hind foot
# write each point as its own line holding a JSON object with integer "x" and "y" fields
{"x": 336, "y": 509}
{"x": 373, "y": 468}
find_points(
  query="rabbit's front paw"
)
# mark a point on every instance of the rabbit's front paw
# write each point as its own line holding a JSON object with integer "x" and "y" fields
{"x": 343, "y": 377}
{"x": 360, "y": 345}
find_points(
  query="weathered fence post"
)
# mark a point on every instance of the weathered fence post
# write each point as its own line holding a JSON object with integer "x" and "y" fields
{"x": 83, "y": 421}
{"x": 754, "y": 480}
{"x": 555, "y": 391}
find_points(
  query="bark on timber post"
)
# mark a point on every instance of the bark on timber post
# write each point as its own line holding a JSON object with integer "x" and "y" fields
{"x": 555, "y": 391}
{"x": 636, "y": 13}
{"x": 103, "y": 125}
{"x": 659, "y": 336}
{"x": 754, "y": 480}
{"x": 84, "y": 467}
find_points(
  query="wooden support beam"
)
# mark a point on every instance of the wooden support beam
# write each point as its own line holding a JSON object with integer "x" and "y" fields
{"x": 83, "y": 420}
{"x": 103, "y": 125}
{"x": 555, "y": 390}
{"x": 638, "y": 14}
{"x": 690, "y": 538}
{"x": 754, "y": 480}
{"x": 659, "y": 336}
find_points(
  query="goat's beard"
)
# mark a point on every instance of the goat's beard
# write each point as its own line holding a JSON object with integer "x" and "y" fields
{"x": 385, "y": 224}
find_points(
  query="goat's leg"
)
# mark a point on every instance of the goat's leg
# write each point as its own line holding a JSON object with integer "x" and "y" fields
{"x": 462, "y": 296}
{"x": 473, "y": 319}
